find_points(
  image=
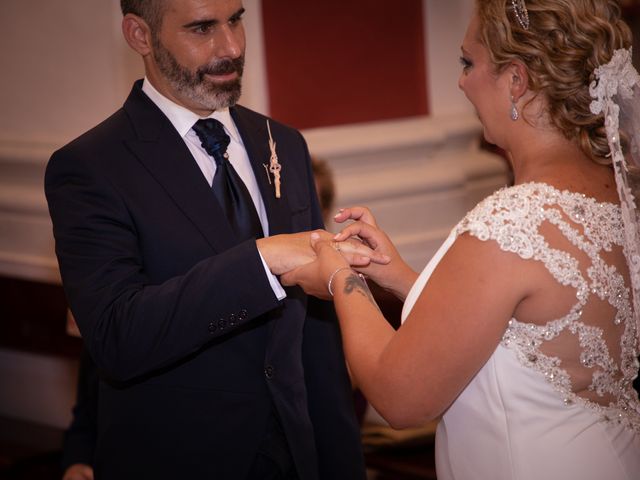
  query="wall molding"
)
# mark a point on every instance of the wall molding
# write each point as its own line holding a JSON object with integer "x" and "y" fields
{"x": 26, "y": 242}
{"x": 419, "y": 176}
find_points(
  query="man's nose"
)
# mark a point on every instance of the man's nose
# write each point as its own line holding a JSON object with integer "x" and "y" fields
{"x": 230, "y": 42}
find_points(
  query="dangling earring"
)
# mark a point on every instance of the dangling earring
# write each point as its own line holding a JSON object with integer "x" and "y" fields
{"x": 514, "y": 111}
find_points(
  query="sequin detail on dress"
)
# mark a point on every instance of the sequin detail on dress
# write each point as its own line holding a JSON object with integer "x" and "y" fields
{"x": 512, "y": 217}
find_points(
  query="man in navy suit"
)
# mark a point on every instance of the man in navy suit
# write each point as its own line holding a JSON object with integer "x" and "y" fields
{"x": 209, "y": 369}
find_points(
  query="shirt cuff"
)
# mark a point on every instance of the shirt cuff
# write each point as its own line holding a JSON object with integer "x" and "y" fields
{"x": 278, "y": 291}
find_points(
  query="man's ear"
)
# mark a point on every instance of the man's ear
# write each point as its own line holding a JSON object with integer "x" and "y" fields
{"x": 137, "y": 33}
{"x": 518, "y": 78}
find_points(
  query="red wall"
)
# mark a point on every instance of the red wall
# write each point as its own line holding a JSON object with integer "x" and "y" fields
{"x": 333, "y": 62}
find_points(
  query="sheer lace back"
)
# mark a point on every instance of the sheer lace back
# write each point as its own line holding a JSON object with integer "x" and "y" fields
{"x": 587, "y": 350}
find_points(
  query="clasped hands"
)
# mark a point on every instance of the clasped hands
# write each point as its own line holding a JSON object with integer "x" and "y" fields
{"x": 308, "y": 259}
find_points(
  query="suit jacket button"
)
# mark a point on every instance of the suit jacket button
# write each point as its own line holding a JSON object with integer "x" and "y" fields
{"x": 242, "y": 314}
{"x": 212, "y": 327}
{"x": 268, "y": 371}
{"x": 232, "y": 319}
{"x": 222, "y": 324}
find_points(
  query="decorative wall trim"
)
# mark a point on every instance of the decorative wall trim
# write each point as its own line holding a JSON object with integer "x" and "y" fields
{"x": 419, "y": 175}
{"x": 26, "y": 242}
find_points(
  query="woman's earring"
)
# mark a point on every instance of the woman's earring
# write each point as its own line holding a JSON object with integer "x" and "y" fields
{"x": 514, "y": 111}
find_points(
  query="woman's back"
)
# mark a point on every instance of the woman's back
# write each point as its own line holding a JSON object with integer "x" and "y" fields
{"x": 560, "y": 382}
{"x": 578, "y": 324}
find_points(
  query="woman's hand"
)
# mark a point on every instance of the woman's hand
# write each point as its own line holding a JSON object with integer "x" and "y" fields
{"x": 314, "y": 277}
{"x": 395, "y": 276}
{"x": 356, "y": 252}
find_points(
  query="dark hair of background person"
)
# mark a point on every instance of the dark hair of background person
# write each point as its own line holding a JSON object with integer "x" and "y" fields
{"x": 324, "y": 185}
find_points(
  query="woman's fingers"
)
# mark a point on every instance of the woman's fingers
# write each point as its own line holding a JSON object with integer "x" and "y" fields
{"x": 358, "y": 229}
{"x": 355, "y": 213}
{"x": 372, "y": 237}
{"x": 361, "y": 251}
{"x": 354, "y": 251}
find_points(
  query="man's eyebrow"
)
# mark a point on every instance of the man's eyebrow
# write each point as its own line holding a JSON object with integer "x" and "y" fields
{"x": 238, "y": 14}
{"x": 212, "y": 22}
{"x": 201, "y": 23}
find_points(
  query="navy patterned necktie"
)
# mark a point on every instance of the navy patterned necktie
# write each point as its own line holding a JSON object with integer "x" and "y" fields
{"x": 228, "y": 187}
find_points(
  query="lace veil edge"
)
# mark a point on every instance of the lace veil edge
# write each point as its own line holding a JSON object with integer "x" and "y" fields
{"x": 616, "y": 95}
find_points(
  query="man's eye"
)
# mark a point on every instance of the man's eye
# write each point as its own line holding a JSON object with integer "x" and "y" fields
{"x": 204, "y": 28}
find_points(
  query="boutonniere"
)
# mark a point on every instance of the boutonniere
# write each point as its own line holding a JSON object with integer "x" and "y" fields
{"x": 274, "y": 166}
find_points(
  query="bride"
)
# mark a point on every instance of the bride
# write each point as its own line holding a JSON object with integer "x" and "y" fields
{"x": 522, "y": 331}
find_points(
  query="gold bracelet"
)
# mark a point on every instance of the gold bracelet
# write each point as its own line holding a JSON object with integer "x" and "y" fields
{"x": 333, "y": 275}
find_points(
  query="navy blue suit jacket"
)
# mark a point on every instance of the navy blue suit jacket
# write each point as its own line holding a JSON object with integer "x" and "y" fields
{"x": 193, "y": 347}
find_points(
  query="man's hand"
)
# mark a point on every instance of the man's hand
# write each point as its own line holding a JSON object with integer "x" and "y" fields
{"x": 78, "y": 471}
{"x": 286, "y": 252}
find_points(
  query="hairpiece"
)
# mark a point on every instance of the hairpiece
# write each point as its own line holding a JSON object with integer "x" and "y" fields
{"x": 521, "y": 12}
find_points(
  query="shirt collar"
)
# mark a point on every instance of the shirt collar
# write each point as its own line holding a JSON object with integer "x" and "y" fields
{"x": 182, "y": 118}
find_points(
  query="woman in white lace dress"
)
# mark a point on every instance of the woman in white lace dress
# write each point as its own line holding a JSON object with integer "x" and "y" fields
{"x": 521, "y": 332}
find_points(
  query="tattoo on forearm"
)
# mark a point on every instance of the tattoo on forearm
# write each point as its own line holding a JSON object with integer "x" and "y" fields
{"x": 356, "y": 283}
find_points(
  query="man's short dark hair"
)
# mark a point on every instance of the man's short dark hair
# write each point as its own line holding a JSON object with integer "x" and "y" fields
{"x": 150, "y": 11}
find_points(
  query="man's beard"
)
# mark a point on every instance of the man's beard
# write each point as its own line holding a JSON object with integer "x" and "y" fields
{"x": 194, "y": 85}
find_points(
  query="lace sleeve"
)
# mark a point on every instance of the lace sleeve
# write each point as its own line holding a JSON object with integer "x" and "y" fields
{"x": 513, "y": 217}
{"x": 507, "y": 217}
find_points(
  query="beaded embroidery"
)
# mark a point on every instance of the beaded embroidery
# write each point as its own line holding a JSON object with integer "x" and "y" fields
{"x": 512, "y": 217}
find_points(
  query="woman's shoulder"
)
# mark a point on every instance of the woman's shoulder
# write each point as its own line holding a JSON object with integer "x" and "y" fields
{"x": 510, "y": 205}
{"x": 513, "y": 215}
{"x": 519, "y": 202}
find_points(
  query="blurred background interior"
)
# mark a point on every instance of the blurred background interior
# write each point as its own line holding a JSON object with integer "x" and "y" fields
{"x": 372, "y": 85}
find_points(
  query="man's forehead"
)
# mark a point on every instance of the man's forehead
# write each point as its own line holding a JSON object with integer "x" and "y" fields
{"x": 210, "y": 9}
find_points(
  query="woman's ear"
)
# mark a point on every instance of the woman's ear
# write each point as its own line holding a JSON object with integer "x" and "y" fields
{"x": 137, "y": 33}
{"x": 518, "y": 78}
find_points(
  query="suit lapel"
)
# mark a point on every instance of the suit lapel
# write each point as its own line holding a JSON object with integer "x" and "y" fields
{"x": 164, "y": 154}
{"x": 285, "y": 332}
{"x": 253, "y": 130}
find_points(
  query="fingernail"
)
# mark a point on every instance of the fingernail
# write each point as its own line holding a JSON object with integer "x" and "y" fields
{"x": 336, "y": 236}
{"x": 315, "y": 236}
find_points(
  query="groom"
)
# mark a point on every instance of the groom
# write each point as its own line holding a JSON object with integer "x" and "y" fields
{"x": 209, "y": 369}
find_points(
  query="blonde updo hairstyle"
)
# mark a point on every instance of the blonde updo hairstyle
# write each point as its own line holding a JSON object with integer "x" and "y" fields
{"x": 566, "y": 40}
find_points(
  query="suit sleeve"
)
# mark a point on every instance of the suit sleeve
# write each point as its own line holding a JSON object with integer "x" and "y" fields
{"x": 132, "y": 323}
{"x": 317, "y": 220}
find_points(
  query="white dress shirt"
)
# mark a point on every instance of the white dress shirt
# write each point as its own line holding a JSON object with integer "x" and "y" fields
{"x": 183, "y": 120}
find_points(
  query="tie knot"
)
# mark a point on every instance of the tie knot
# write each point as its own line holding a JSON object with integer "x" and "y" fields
{"x": 213, "y": 138}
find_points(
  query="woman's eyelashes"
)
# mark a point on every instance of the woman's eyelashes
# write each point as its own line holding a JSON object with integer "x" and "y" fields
{"x": 466, "y": 63}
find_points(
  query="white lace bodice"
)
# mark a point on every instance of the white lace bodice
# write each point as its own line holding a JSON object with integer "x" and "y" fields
{"x": 513, "y": 218}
